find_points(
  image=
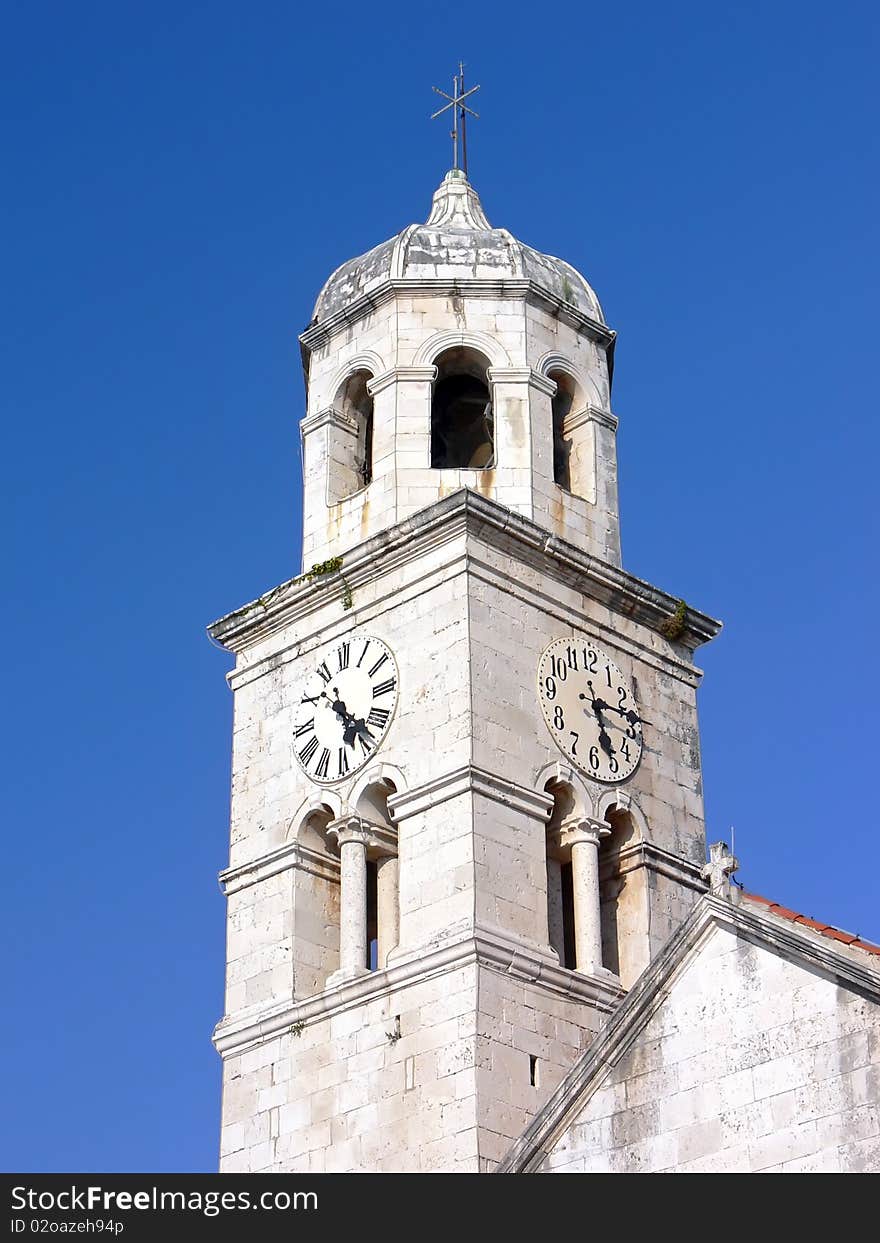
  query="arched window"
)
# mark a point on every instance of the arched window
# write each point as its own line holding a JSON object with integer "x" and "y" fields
{"x": 462, "y": 419}
{"x": 615, "y": 899}
{"x": 560, "y": 896}
{"x": 351, "y": 444}
{"x": 563, "y": 402}
{"x": 383, "y": 904}
{"x": 316, "y": 905}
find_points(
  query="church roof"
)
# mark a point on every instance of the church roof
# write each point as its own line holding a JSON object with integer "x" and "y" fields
{"x": 455, "y": 243}
{"x": 826, "y": 930}
{"x": 748, "y": 915}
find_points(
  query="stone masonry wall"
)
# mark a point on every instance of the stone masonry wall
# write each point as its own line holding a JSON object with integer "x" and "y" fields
{"x": 751, "y": 1063}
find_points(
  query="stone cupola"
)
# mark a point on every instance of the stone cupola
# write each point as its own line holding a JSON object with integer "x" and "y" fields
{"x": 450, "y": 356}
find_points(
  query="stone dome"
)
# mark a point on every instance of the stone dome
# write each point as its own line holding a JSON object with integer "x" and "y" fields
{"x": 455, "y": 243}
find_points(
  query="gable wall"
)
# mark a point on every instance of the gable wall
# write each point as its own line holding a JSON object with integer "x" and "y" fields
{"x": 753, "y": 1062}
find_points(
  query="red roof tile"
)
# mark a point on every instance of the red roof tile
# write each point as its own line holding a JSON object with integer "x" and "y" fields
{"x": 827, "y": 930}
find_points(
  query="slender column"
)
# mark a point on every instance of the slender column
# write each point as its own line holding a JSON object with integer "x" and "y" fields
{"x": 352, "y": 841}
{"x": 583, "y": 837}
{"x": 388, "y": 907}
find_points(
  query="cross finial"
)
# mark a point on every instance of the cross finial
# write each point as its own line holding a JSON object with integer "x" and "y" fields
{"x": 460, "y": 113}
{"x": 718, "y": 871}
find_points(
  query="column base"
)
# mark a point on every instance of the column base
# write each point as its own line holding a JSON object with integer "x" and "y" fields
{"x": 344, "y": 974}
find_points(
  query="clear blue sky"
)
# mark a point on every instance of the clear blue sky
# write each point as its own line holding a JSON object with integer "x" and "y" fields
{"x": 179, "y": 180}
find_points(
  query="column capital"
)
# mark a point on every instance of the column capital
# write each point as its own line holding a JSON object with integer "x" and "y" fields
{"x": 377, "y": 839}
{"x": 396, "y": 375}
{"x": 579, "y": 829}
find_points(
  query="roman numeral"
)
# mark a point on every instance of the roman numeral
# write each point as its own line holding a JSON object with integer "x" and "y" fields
{"x": 308, "y": 750}
{"x": 363, "y": 653}
{"x": 343, "y": 762}
{"x": 379, "y": 663}
{"x": 323, "y": 769}
{"x": 378, "y": 717}
{"x": 366, "y": 744}
{"x": 323, "y": 672}
{"x": 384, "y": 687}
{"x": 306, "y": 728}
{"x": 344, "y": 653}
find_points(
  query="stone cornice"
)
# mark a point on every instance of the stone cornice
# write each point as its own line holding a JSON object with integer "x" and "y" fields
{"x": 529, "y": 1152}
{"x": 647, "y": 855}
{"x": 462, "y": 781}
{"x": 418, "y": 375}
{"x": 290, "y": 855}
{"x": 328, "y": 417}
{"x": 321, "y": 333}
{"x": 463, "y": 511}
{"x": 522, "y": 375}
{"x": 479, "y": 947}
{"x": 589, "y": 414}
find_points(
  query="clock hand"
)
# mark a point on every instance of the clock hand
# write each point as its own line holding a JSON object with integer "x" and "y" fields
{"x": 597, "y": 705}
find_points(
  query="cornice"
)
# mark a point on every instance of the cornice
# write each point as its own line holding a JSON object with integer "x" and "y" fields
{"x": 320, "y": 333}
{"x": 647, "y": 855}
{"x": 290, "y": 855}
{"x": 469, "y": 779}
{"x": 477, "y": 947}
{"x": 422, "y": 375}
{"x": 463, "y": 511}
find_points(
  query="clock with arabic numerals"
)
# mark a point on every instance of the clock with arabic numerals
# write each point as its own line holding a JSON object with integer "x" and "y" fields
{"x": 589, "y": 708}
{"x": 346, "y": 704}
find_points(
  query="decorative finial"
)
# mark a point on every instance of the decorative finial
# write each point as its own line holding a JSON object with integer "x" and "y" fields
{"x": 460, "y": 113}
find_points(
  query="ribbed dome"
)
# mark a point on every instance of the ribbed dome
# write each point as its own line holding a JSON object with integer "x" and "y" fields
{"x": 456, "y": 242}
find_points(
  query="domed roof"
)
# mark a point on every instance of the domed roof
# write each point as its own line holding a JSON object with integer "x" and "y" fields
{"x": 456, "y": 243}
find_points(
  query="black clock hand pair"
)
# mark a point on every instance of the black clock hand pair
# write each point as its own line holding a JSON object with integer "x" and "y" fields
{"x": 352, "y": 725}
{"x": 598, "y": 705}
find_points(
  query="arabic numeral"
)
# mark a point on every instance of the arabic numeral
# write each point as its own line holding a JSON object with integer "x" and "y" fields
{"x": 590, "y": 659}
{"x": 574, "y": 745}
{"x": 613, "y": 764}
{"x": 621, "y": 695}
{"x": 624, "y": 750}
{"x": 550, "y": 687}
{"x": 558, "y": 718}
{"x": 560, "y": 668}
{"x": 573, "y": 658}
{"x": 594, "y": 757}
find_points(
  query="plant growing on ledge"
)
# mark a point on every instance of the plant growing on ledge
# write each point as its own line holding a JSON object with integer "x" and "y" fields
{"x": 673, "y": 627}
{"x": 332, "y": 566}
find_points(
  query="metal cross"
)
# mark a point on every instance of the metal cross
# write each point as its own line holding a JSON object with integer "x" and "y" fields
{"x": 460, "y": 113}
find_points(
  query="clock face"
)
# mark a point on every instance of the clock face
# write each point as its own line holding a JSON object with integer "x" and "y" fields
{"x": 589, "y": 709}
{"x": 345, "y": 708}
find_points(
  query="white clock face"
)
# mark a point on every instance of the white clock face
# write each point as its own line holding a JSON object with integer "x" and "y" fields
{"x": 589, "y": 709}
{"x": 345, "y": 709}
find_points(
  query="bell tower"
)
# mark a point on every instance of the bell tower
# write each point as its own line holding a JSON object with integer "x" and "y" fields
{"x": 466, "y": 794}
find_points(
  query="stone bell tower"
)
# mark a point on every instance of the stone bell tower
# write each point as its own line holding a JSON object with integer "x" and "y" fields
{"x": 452, "y": 847}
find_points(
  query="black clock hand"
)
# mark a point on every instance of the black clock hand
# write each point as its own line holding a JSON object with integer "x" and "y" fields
{"x": 597, "y": 705}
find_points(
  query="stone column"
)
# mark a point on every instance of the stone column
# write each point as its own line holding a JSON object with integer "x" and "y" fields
{"x": 387, "y": 908}
{"x": 583, "y": 836}
{"x": 352, "y": 840}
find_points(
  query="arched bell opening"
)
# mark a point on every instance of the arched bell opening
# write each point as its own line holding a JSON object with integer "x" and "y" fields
{"x": 351, "y": 441}
{"x": 462, "y": 416}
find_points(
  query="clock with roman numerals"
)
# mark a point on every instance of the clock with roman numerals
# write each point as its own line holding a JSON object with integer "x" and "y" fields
{"x": 345, "y": 708}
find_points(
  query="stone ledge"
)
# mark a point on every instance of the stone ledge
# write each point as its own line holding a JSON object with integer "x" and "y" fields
{"x": 484, "y": 947}
{"x": 469, "y": 779}
{"x": 370, "y": 300}
{"x": 462, "y": 512}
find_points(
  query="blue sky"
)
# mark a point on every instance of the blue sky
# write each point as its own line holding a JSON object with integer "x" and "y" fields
{"x": 180, "y": 179}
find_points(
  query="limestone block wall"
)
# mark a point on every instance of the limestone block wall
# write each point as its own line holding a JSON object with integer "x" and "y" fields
{"x": 527, "y": 1038}
{"x": 436, "y": 1075}
{"x": 751, "y": 1063}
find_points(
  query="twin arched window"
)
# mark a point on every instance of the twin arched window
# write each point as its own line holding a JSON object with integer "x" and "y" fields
{"x": 351, "y": 442}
